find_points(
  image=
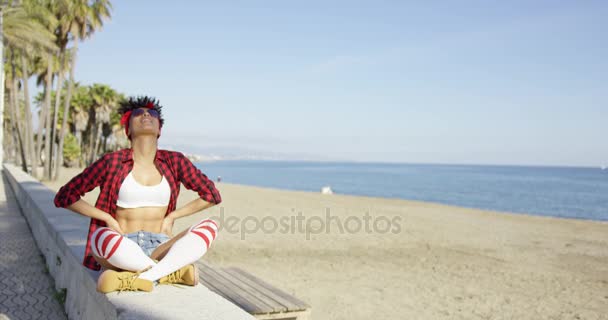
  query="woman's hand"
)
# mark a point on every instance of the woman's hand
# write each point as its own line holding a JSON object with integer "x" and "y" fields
{"x": 167, "y": 226}
{"x": 113, "y": 224}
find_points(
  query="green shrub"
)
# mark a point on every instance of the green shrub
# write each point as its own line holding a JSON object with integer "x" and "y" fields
{"x": 71, "y": 151}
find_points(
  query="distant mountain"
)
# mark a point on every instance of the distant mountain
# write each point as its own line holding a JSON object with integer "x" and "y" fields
{"x": 215, "y": 153}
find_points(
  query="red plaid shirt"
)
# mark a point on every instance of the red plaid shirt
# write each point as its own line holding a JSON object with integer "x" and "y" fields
{"x": 109, "y": 172}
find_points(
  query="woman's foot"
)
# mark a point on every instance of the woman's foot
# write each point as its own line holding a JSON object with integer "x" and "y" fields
{"x": 110, "y": 281}
{"x": 187, "y": 275}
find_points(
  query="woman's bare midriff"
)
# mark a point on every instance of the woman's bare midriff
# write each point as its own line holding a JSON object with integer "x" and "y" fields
{"x": 136, "y": 219}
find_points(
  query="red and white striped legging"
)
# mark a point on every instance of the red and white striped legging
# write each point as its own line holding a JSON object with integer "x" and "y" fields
{"x": 124, "y": 253}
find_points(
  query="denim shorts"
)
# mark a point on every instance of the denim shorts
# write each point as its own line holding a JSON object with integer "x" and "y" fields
{"x": 148, "y": 241}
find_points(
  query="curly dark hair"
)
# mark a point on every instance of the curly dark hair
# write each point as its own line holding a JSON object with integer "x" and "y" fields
{"x": 136, "y": 102}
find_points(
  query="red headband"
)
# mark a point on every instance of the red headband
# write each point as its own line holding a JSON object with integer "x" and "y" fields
{"x": 125, "y": 117}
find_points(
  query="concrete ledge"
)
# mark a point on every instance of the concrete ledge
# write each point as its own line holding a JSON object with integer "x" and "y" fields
{"x": 61, "y": 236}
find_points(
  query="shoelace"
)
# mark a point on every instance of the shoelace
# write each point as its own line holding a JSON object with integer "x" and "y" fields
{"x": 127, "y": 282}
{"x": 174, "y": 277}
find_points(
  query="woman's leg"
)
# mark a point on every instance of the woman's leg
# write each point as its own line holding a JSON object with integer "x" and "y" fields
{"x": 119, "y": 251}
{"x": 191, "y": 245}
{"x": 160, "y": 251}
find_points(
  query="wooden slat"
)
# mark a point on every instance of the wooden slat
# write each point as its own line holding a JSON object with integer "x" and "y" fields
{"x": 237, "y": 293}
{"x": 251, "y": 296}
{"x": 209, "y": 280}
{"x": 249, "y": 292}
{"x": 272, "y": 306}
{"x": 220, "y": 275}
{"x": 277, "y": 291}
{"x": 205, "y": 264}
{"x": 228, "y": 292}
{"x": 203, "y": 277}
{"x": 203, "y": 268}
{"x": 269, "y": 294}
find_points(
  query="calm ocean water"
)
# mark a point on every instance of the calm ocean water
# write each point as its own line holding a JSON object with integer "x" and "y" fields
{"x": 549, "y": 191}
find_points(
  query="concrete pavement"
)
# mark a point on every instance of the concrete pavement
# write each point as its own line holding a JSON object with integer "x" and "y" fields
{"x": 26, "y": 288}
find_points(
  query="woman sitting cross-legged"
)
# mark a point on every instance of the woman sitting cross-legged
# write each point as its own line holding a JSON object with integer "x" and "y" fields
{"x": 130, "y": 234}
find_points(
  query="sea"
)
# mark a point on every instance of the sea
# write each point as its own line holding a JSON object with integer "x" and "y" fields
{"x": 568, "y": 192}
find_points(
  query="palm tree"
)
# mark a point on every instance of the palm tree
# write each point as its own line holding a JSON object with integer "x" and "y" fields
{"x": 79, "y": 19}
{"x": 13, "y": 86}
{"x": 81, "y": 102}
{"x": 46, "y": 67}
{"x": 113, "y": 130}
{"x": 105, "y": 100}
{"x": 52, "y": 147}
{"x": 94, "y": 118}
{"x": 39, "y": 68}
{"x": 29, "y": 130}
{"x": 48, "y": 87}
{"x": 41, "y": 54}
{"x": 114, "y": 133}
{"x": 23, "y": 32}
{"x": 33, "y": 150}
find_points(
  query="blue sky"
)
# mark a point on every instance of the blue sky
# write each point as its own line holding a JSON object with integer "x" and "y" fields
{"x": 483, "y": 82}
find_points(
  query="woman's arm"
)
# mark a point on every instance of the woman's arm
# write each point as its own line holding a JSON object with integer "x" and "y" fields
{"x": 70, "y": 195}
{"x": 193, "y": 179}
{"x": 191, "y": 207}
{"x": 90, "y": 178}
{"x": 84, "y": 208}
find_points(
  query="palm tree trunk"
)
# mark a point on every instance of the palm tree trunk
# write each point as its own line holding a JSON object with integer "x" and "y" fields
{"x": 10, "y": 130}
{"x": 16, "y": 114}
{"x": 52, "y": 151}
{"x": 47, "y": 102}
{"x": 66, "y": 112}
{"x": 15, "y": 127}
{"x": 41, "y": 125}
{"x": 97, "y": 139}
{"x": 16, "y": 121}
{"x": 29, "y": 128}
{"x": 9, "y": 147}
{"x": 91, "y": 140}
{"x": 79, "y": 137}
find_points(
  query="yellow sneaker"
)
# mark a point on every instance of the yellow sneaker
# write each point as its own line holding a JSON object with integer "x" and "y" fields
{"x": 187, "y": 275}
{"x": 110, "y": 281}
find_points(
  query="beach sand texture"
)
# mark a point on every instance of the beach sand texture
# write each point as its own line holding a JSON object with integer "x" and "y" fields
{"x": 435, "y": 261}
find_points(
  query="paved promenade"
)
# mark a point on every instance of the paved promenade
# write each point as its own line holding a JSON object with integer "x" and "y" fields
{"x": 26, "y": 289}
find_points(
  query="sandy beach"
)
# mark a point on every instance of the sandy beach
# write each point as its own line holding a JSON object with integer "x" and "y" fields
{"x": 373, "y": 258}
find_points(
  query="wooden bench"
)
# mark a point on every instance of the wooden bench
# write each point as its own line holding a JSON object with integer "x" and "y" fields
{"x": 252, "y": 294}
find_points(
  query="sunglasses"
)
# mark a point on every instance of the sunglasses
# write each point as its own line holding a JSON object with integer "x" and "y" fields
{"x": 140, "y": 111}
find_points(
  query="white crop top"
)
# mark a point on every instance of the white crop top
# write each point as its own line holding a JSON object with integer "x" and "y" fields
{"x": 134, "y": 195}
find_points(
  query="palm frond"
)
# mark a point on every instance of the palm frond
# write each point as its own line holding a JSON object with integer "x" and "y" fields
{"x": 24, "y": 31}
